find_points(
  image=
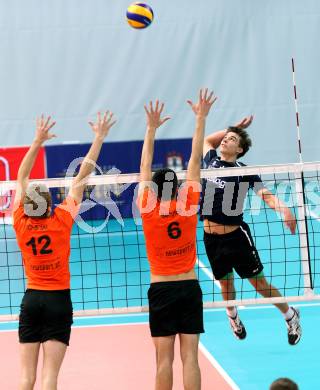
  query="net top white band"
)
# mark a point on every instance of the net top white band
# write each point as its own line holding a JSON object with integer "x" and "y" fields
{"x": 205, "y": 173}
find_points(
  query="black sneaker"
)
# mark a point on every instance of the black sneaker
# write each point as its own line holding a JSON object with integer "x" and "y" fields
{"x": 294, "y": 328}
{"x": 237, "y": 327}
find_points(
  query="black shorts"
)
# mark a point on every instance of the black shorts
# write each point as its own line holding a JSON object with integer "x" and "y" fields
{"x": 45, "y": 315}
{"x": 175, "y": 307}
{"x": 233, "y": 251}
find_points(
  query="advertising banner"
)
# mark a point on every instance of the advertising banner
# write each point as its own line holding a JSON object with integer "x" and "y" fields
{"x": 115, "y": 158}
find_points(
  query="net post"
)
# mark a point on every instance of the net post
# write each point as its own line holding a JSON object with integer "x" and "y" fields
{"x": 303, "y": 233}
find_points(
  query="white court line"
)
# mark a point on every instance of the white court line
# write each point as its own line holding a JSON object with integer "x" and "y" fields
{"x": 113, "y": 316}
{"x": 214, "y": 310}
{"x": 93, "y": 317}
{"x": 8, "y": 330}
{"x": 217, "y": 366}
{"x": 89, "y": 326}
{"x": 106, "y": 325}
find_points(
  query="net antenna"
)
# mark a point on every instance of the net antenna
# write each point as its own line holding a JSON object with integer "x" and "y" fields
{"x": 302, "y": 210}
{"x": 296, "y": 107}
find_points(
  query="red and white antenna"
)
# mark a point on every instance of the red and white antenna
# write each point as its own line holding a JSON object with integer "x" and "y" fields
{"x": 296, "y": 106}
{"x": 302, "y": 211}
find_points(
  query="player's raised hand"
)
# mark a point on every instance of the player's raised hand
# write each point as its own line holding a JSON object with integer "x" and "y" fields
{"x": 153, "y": 113}
{"x": 245, "y": 122}
{"x": 43, "y": 126}
{"x": 103, "y": 124}
{"x": 205, "y": 102}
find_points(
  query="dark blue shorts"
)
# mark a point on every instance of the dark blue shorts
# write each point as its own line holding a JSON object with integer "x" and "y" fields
{"x": 233, "y": 251}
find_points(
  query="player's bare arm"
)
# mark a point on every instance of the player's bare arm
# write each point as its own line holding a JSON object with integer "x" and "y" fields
{"x": 43, "y": 127}
{"x": 213, "y": 141}
{"x": 154, "y": 120}
{"x": 100, "y": 128}
{"x": 201, "y": 110}
{"x": 276, "y": 204}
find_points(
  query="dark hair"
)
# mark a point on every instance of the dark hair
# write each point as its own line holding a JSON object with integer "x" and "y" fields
{"x": 284, "y": 384}
{"x": 245, "y": 141}
{"x": 39, "y": 198}
{"x": 166, "y": 191}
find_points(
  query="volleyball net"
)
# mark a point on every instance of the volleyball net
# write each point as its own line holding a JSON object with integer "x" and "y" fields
{"x": 108, "y": 263}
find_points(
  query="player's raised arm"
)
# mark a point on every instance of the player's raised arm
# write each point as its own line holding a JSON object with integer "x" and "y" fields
{"x": 43, "y": 127}
{"x": 213, "y": 141}
{"x": 154, "y": 120}
{"x": 101, "y": 129}
{"x": 201, "y": 110}
{"x": 276, "y": 204}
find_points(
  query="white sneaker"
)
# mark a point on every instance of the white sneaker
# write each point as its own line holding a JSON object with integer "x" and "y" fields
{"x": 294, "y": 328}
{"x": 237, "y": 327}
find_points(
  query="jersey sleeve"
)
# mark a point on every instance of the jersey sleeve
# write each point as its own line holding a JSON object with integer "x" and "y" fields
{"x": 210, "y": 155}
{"x": 67, "y": 211}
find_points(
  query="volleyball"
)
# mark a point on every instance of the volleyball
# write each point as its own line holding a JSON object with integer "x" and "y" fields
{"x": 139, "y": 15}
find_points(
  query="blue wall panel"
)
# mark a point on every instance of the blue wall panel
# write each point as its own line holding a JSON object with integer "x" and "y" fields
{"x": 125, "y": 157}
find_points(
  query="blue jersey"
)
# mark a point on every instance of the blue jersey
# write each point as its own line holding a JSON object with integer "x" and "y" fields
{"x": 223, "y": 197}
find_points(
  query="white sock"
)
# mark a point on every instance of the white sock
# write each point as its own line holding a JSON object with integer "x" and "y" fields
{"x": 289, "y": 314}
{"x": 232, "y": 312}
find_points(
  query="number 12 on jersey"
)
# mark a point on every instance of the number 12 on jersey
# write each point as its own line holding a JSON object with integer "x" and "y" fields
{"x": 45, "y": 241}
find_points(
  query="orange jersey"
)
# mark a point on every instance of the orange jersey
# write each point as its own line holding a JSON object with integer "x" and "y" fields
{"x": 45, "y": 246}
{"x": 170, "y": 239}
